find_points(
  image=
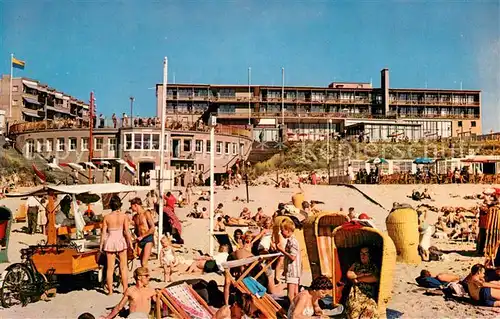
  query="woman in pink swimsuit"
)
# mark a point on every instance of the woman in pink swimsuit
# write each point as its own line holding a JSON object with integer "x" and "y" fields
{"x": 115, "y": 240}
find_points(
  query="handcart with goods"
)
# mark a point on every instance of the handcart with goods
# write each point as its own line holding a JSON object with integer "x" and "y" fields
{"x": 42, "y": 264}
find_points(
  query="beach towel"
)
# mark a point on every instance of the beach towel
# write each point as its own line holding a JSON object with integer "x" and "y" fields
{"x": 254, "y": 287}
{"x": 174, "y": 220}
{"x": 429, "y": 282}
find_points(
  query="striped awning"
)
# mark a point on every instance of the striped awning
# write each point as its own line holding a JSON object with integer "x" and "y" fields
{"x": 31, "y": 85}
{"x": 32, "y": 101}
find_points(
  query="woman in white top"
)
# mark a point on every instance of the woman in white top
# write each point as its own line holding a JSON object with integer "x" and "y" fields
{"x": 305, "y": 304}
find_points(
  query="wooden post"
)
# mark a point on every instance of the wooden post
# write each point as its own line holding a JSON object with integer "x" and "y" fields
{"x": 51, "y": 220}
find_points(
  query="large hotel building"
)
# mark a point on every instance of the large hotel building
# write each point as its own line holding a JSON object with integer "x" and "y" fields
{"x": 345, "y": 109}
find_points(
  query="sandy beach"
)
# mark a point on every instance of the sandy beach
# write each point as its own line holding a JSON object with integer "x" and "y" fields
{"x": 408, "y": 300}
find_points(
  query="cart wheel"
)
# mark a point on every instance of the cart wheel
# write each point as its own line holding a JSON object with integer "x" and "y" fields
{"x": 16, "y": 280}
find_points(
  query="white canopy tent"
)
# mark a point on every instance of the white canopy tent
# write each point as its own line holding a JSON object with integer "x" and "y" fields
{"x": 83, "y": 189}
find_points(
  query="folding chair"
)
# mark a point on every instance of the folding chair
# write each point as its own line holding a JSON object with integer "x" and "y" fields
{"x": 183, "y": 302}
{"x": 265, "y": 304}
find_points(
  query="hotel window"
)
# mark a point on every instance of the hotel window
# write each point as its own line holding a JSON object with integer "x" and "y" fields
{"x": 199, "y": 146}
{"x": 235, "y": 148}
{"x": 111, "y": 144}
{"x": 85, "y": 144}
{"x": 201, "y": 167}
{"x": 60, "y": 145}
{"x": 72, "y": 144}
{"x": 15, "y": 88}
{"x": 459, "y": 123}
{"x": 242, "y": 148}
{"x": 146, "y": 141}
{"x": 39, "y": 146}
{"x": 219, "y": 147}
{"x": 207, "y": 146}
{"x": 473, "y": 124}
{"x": 156, "y": 142}
{"x": 128, "y": 141}
{"x": 227, "y": 148}
{"x": 187, "y": 145}
{"x": 49, "y": 144}
{"x": 98, "y": 141}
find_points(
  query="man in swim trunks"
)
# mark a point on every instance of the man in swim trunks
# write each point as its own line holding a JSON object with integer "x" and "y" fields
{"x": 487, "y": 293}
{"x": 144, "y": 229}
{"x": 139, "y": 297}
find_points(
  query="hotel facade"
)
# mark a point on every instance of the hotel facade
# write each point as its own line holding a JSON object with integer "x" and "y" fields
{"x": 344, "y": 109}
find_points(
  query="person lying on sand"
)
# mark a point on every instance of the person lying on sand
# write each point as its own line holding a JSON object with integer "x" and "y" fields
{"x": 427, "y": 280}
{"x": 487, "y": 293}
{"x": 139, "y": 297}
{"x": 229, "y": 221}
{"x": 207, "y": 264}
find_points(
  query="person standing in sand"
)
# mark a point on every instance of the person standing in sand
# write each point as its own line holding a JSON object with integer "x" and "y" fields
{"x": 139, "y": 297}
{"x": 144, "y": 229}
{"x": 115, "y": 240}
{"x": 487, "y": 293}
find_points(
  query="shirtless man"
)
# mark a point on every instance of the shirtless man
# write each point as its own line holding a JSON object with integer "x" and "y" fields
{"x": 487, "y": 293}
{"x": 144, "y": 229}
{"x": 138, "y": 296}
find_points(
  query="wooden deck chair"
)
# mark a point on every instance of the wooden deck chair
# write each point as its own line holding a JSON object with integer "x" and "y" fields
{"x": 266, "y": 304}
{"x": 183, "y": 302}
{"x": 492, "y": 240}
{"x": 22, "y": 211}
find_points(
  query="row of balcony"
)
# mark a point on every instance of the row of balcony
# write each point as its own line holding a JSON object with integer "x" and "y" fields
{"x": 321, "y": 101}
{"x": 364, "y": 115}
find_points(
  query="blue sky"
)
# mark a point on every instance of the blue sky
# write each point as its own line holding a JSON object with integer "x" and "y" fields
{"x": 117, "y": 48}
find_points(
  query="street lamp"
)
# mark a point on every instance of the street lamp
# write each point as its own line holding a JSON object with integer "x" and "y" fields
{"x": 328, "y": 148}
{"x": 249, "y": 96}
{"x": 132, "y": 99}
{"x": 212, "y": 122}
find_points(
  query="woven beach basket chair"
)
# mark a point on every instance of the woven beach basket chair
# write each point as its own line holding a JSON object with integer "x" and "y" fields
{"x": 492, "y": 240}
{"x": 383, "y": 255}
{"x": 318, "y": 237}
{"x": 402, "y": 227}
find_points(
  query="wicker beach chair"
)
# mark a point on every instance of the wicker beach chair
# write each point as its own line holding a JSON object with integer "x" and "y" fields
{"x": 348, "y": 239}
{"x": 319, "y": 242}
{"x": 402, "y": 227}
{"x": 181, "y": 301}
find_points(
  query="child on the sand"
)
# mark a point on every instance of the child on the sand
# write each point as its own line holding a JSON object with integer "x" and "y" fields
{"x": 293, "y": 263}
{"x": 168, "y": 259}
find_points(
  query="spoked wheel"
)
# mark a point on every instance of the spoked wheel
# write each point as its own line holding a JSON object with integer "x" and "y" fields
{"x": 17, "y": 286}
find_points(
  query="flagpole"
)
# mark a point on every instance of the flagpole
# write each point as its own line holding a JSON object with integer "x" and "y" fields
{"x": 162, "y": 154}
{"x": 10, "y": 86}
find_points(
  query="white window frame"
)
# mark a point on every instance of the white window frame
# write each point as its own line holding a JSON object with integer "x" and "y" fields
{"x": 219, "y": 145}
{"x": 131, "y": 141}
{"x": 84, "y": 146}
{"x": 235, "y": 148}
{"x": 198, "y": 146}
{"x": 39, "y": 145}
{"x": 227, "y": 148}
{"x": 111, "y": 144}
{"x": 49, "y": 143}
{"x": 74, "y": 146}
{"x": 95, "y": 143}
{"x": 61, "y": 146}
{"x": 208, "y": 146}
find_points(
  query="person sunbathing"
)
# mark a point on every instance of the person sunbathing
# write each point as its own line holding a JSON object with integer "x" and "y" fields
{"x": 208, "y": 264}
{"x": 486, "y": 293}
{"x": 462, "y": 229}
{"x": 245, "y": 214}
{"x": 427, "y": 280}
{"x": 228, "y": 220}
